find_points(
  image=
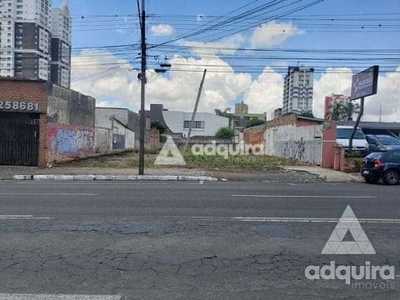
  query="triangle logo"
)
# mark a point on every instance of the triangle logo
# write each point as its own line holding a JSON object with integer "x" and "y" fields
{"x": 339, "y": 241}
{"x": 169, "y": 155}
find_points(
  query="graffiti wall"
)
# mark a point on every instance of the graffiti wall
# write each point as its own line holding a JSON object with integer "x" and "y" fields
{"x": 65, "y": 142}
{"x": 301, "y": 143}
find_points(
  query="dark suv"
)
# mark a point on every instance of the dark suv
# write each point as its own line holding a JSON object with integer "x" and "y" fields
{"x": 382, "y": 165}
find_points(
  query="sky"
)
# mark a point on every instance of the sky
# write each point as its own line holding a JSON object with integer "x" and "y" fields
{"x": 245, "y": 45}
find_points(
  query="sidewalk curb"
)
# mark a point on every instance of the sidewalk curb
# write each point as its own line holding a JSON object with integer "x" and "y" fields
{"x": 116, "y": 178}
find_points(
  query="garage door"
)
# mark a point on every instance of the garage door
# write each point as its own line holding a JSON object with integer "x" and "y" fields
{"x": 19, "y": 139}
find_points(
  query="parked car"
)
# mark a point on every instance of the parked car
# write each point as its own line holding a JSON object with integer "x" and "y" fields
{"x": 343, "y": 135}
{"x": 383, "y": 165}
{"x": 381, "y": 142}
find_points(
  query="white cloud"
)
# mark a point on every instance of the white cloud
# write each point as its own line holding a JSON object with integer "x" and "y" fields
{"x": 225, "y": 46}
{"x": 162, "y": 29}
{"x": 265, "y": 93}
{"x": 273, "y": 34}
{"x": 332, "y": 81}
{"x": 386, "y": 101}
{"x": 113, "y": 83}
{"x": 92, "y": 76}
{"x": 102, "y": 75}
{"x": 179, "y": 92}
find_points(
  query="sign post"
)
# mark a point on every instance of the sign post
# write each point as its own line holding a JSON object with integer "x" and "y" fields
{"x": 363, "y": 84}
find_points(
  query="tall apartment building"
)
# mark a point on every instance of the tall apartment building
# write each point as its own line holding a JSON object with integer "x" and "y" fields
{"x": 26, "y": 28}
{"x": 61, "y": 46}
{"x": 298, "y": 90}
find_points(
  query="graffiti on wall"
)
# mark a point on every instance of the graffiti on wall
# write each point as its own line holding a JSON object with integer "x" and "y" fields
{"x": 70, "y": 141}
{"x": 295, "y": 149}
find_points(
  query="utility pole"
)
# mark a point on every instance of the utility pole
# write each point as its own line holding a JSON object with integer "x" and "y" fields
{"x": 195, "y": 109}
{"x": 142, "y": 88}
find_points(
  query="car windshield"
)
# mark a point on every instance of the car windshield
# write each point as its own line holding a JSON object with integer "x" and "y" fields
{"x": 388, "y": 140}
{"x": 345, "y": 133}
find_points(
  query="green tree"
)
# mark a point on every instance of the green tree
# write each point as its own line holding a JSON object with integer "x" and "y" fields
{"x": 334, "y": 111}
{"x": 225, "y": 133}
{"x": 342, "y": 111}
{"x": 162, "y": 128}
{"x": 254, "y": 122}
{"x": 349, "y": 109}
{"x": 308, "y": 114}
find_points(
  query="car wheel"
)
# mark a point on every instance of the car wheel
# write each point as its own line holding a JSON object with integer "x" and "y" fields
{"x": 371, "y": 180}
{"x": 391, "y": 177}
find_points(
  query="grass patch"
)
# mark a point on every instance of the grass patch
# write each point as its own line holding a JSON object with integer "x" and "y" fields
{"x": 232, "y": 163}
{"x": 239, "y": 162}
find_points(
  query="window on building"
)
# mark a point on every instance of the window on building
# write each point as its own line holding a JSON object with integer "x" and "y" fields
{"x": 196, "y": 124}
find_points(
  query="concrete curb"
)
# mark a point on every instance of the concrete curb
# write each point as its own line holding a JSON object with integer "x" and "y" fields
{"x": 116, "y": 178}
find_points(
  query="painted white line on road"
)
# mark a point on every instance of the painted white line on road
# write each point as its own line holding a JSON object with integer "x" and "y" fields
{"x": 278, "y": 219}
{"x": 55, "y": 297}
{"x": 306, "y": 196}
{"x": 24, "y": 217}
{"x": 312, "y": 220}
{"x": 48, "y": 194}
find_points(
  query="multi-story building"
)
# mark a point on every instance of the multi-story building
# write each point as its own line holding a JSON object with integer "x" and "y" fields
{"x": 241, "y": 116}
{"x": 26, "y": 38}
{"x": 298, "y": 90}
{"x": 61, "y": 46}
{"x": 277, "y": 113}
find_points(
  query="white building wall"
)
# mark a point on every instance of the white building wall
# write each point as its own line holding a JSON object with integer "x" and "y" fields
{"x": 103, "y": 117}
{"x": 302, "y": 143}
{"x": 129, "y": 139}
{"x": 175, "y": 121}
{"x": 38, "y": 12}
{"x": 106, "y": 127}
{"x": 62, "y": 23}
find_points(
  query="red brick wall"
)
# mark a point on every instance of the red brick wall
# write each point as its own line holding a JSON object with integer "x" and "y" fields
{"x": 328, "y": 147}
{"x": 285, "y": 120}
{"x": 254, "y": 135}
{"x": 24, "y": 91}
{"x": 303, "y": 122}
{"x": 19, "y": 91}
{"x": 152, "y": 139}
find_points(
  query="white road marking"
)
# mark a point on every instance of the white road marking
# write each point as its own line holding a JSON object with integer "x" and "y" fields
{"x": 306, "y": 196}
{"x": 312, "y": 220}
{"x": 55, "y": 297}
{"x": 279, "y": 219}
{"x": 48, "y": 194}
{"x": 24, "y": 217}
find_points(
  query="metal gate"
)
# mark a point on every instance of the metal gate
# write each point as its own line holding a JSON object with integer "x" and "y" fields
{"x": 118, "y": 141}
{"x": 19, "y": 139}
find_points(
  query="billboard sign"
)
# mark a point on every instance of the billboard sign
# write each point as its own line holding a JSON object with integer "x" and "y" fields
{"x": 365, "y": 83}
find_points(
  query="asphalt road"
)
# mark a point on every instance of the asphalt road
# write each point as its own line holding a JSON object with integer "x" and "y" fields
{"x": 185, "y": 240}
